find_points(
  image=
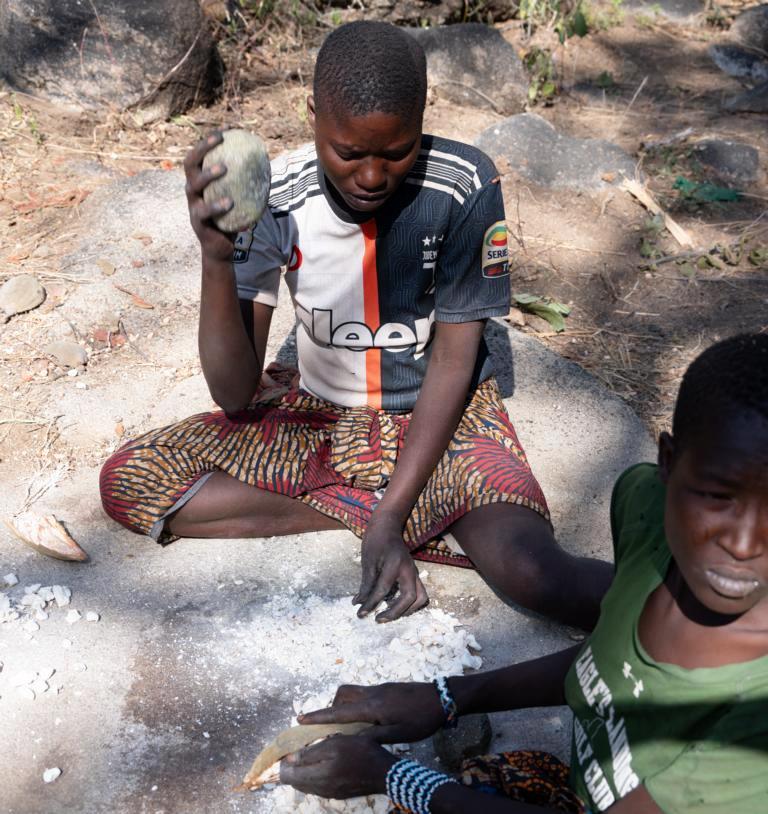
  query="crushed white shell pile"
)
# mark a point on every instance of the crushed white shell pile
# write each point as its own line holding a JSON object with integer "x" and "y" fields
{"x": 26, "y": 607}
{"x": 318, "y": 643}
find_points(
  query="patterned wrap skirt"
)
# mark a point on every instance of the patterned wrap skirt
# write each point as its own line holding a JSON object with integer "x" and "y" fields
{"x": 526, "y": 776}
{"x": 337, "y": 460}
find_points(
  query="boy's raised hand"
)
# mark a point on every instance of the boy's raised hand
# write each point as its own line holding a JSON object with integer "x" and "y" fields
{"x": 387, "y": 566}
{"x": 400, "y": 712}
{"x": 215, "y": 244}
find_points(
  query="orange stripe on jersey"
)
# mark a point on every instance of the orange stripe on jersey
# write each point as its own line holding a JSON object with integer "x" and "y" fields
{"x": 372, "y": 315}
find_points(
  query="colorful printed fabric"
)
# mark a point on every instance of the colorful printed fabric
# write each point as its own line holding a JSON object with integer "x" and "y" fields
{"x": 533, "y": 777}
{"x": 334, "y": 459}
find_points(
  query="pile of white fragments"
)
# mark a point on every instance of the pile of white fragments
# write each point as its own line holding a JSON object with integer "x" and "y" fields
{"x": 28, "y": 607}
{"x": 308, "y": 636}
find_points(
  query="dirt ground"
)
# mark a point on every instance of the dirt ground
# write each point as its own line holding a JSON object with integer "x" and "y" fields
{"x": 641, "y": 305}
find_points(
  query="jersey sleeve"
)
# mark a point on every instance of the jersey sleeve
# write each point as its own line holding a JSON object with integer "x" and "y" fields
{"x": 472, "y": 275}
{"x": 259, "y": 256}
{"x": 724, "y": 771}
{"x": 637, "y": 508}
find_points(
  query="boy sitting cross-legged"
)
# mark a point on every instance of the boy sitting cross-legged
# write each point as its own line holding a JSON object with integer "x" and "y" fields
{"x": 393, "y": 246}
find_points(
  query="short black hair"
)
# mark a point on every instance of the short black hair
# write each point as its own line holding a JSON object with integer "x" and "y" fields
{"x": 370, "y": 67}
{"x": 727, "y": 380}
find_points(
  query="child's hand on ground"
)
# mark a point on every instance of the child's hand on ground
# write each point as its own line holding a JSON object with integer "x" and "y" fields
{"x": 339, "y": 767}
{"x": 401, "y": 713}
{"x": 387, "y": 565}
{"x": 215, "y": 244}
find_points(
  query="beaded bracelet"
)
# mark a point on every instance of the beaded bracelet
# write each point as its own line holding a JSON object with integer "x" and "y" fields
{"x": 447, "y": 701}
{"x": 410, "y": 785}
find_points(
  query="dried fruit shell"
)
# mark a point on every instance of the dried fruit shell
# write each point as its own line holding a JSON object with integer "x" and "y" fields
{"x": 46, "y": 535}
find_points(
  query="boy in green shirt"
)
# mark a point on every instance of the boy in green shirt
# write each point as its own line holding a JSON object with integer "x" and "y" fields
{"x": 670, "y": 691}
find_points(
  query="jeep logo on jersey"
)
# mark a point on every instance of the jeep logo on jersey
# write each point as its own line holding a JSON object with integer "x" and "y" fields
{"x": 394, "y": 337}
{"x": 495, "y": 252}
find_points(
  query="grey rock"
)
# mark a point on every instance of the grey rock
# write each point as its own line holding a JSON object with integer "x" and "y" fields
{"x": 751, "y": 101}
{"x": 537, "y": 151}
{"x": 739, "y": 62}
{"x": 731, "y": 160}
{"x": 750, "y": 28}
{"x": 111, "y": 53}
{"x": 470, "y": 738}
{"x": 246, "y": 182}
{"x": 67, "y": 354}
{"x": 20, "y": 293}
{"x": 473, "y": 64}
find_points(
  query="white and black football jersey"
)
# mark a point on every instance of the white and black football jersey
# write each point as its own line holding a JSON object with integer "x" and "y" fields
{"x": 367, "y": 289}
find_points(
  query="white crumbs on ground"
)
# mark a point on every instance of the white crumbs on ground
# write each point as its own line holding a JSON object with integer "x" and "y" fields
{"x": 314, "y": 644}
{"x": 49, "y": 775}
{"x": 28, "y": 608}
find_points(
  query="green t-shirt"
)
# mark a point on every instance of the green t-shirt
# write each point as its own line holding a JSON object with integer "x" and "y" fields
{"x": 697, "y": 739}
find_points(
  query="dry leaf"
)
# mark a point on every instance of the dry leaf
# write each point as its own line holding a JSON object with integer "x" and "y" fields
{"x": 119, "y": 429}
{"x": 138, "y": 301}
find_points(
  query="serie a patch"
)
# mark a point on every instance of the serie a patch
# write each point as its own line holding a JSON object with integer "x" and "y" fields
{"x": 495, "y": 252}
{"x": 242, "y": 247}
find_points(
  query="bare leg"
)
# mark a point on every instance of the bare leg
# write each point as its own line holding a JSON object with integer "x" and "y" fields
{"x": 515, "y": 551}
{"x": 226, "y": 507}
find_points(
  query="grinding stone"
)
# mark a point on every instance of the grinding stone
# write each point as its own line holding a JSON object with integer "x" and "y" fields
{"x": 246, "y": 182}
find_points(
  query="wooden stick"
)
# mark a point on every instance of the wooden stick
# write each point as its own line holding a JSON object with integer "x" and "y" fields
{"x": 638, "y": 191}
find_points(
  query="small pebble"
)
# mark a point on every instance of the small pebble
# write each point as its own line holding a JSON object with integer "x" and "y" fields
{"x": 66, "y": 643}
{"x": 67, "y": 354}
{"x": 26, "y": 693}
{"x": 80, "y": 667}
{"x": 92, "y": 616}
{"x": 31, "y": 626}
{"x": 10, "y": 580}
{"x": 49, "y": 775}
{"x": 73, "y": 616}
{"x": 21, "y": 293}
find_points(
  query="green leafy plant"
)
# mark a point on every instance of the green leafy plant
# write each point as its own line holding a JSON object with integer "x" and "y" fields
{"x": 605, "y": 80}
{"x": 601, "y": 16}
{"x": 541, "y": 69}
{"x": 759, "y": 257}
{"x": 704, "y": 192}
{"x": 562, "y": 16}
{"x": 551, "y": 310}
